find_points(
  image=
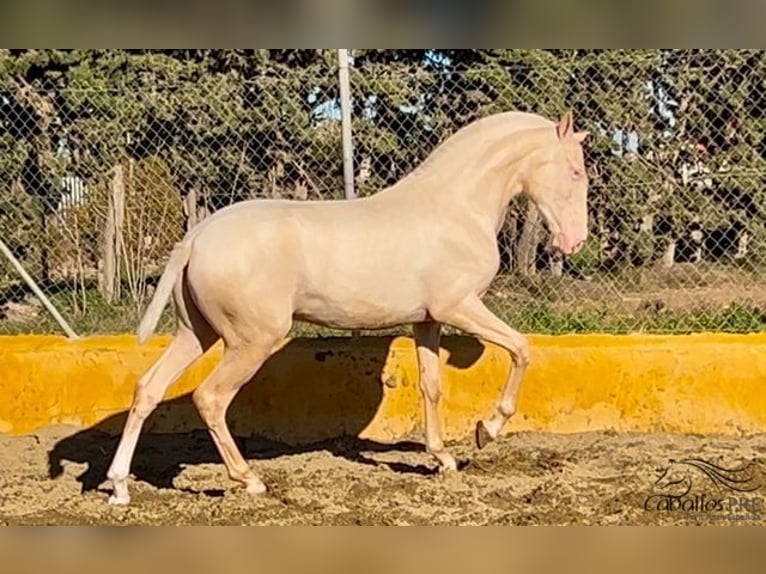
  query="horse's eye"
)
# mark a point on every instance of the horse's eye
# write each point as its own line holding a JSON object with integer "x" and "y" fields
{"x": 577, "y": 173}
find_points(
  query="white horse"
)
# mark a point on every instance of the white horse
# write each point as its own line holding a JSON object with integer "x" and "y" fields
{"x": 422, "y": 251}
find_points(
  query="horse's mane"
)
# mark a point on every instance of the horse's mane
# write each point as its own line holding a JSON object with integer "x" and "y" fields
{"x": 490, "y": 127}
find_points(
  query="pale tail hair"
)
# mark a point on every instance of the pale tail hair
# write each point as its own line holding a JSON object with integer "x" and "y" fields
{"x": 176, "y": 263}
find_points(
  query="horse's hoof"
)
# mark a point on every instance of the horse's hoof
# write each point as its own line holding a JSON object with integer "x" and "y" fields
{"x": 255, "y": 487}
{"x": 483, "y": 438}
{"x": 115, "y": 500}
{"x": 447, "y": 463}
{"x": 120, "y": 495}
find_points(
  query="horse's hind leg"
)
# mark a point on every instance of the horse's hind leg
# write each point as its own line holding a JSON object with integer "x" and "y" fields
{"x": 182, "y": 351}
{"x": 193, "y": 337}
{"x": 240, "y": 361}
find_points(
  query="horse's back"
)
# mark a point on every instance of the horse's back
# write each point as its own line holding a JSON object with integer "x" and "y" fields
{"x": 349, "y": 239}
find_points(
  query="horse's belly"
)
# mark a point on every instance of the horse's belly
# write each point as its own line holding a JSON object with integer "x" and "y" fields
{"x": 357, "y": 312}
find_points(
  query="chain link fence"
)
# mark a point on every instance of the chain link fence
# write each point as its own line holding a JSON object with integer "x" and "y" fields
{"x": 107, "y": 157}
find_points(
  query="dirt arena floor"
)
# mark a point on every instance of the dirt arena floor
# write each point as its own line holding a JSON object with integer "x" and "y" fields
{"x": 524, "y": 479}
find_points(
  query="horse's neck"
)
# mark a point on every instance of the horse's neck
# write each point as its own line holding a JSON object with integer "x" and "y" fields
{"x": 475, "y": 184}
{"x": 470, "y": 184}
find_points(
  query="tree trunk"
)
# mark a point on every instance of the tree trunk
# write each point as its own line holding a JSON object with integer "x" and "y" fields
{"x": 203, "y": 211}
{"x": 44, "y": 111}
{"x": 556, "y": 262}
{"x": 118, "y": 195}
{"x": 45, "y": 264}
{"x": 364, "y": 172}
{"x": 603, "y": 237}
{"x": 113, "y": 237}
{"x": 511, "y": 233}
{"x": 669, "y": 257}
{"x": 190, "y": 208}
{"x": 697, "y": 238}
{"x": 526, "y": 251}
{"x": 742, "y": 242}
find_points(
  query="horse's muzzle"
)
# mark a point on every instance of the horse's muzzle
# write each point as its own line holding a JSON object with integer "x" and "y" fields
{"x": 567, "y": 244}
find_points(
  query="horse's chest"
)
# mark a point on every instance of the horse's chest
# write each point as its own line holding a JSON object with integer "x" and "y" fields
{"x": 479, "y": 258}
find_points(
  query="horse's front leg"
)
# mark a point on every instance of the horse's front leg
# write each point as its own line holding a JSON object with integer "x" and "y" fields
{"x": 427, "y": 337}
{"x": 472, "y": 315}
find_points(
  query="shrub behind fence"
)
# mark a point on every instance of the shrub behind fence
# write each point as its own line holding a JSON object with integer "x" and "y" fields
{"x": 107, "y": 157}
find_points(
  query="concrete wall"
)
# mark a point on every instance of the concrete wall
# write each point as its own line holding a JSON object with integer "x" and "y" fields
{"x": 319, "y": 388}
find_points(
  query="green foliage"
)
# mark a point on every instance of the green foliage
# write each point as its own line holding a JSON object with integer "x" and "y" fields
{"x": 542, "y": 317}
{"x": 230, "y": 125}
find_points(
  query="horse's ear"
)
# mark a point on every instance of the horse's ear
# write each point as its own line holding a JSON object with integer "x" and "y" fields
{"x": 580, "y": 136}
{"x": 564, "y": 127}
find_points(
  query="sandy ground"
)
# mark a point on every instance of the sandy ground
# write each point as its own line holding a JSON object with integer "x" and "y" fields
{"x": 525, "y": 478}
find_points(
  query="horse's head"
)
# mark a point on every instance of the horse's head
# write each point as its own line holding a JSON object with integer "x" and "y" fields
{"x": 558, "y": 185}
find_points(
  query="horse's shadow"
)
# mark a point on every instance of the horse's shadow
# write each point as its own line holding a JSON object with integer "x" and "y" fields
{"x": 343, "y": 401}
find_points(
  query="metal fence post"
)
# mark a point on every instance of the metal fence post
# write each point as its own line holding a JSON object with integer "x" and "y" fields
{"x": 345, "y": 122}
{"x": 345, "y": 119}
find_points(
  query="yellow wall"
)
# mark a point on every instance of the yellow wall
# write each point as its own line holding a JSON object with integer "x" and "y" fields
{"x": 314, "y": 389}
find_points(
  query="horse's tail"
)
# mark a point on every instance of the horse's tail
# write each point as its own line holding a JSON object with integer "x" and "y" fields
{"x": 178, "y": 259}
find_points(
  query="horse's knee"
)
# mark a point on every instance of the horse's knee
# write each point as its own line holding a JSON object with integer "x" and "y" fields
{"x": 431, "y": 389}
{"x": 204, "y": 402}
{"x": 520, "y": 352}
{"x": 429, "y": 382}
{"x": 144, "y": 402}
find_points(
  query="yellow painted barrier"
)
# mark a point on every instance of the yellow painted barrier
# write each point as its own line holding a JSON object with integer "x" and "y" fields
{"x": 314, "y": 389}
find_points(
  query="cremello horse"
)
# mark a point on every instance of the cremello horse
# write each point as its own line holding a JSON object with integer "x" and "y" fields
{"x": 422, "y": 251}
